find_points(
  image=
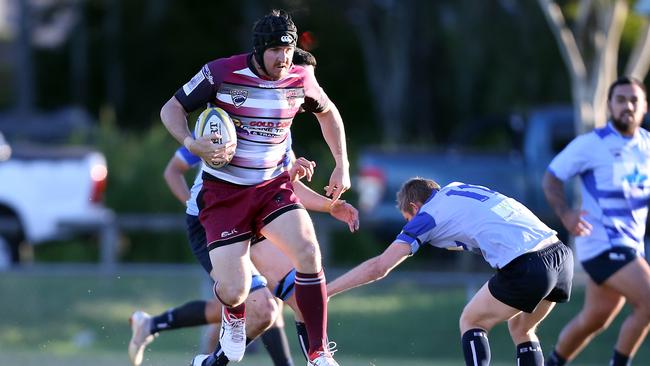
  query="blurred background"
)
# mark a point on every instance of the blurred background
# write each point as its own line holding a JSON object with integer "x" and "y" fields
{"x": 485, "y": 92}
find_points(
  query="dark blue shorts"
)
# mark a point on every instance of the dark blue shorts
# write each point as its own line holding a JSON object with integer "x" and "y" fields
{"x": 605, "y": 264}
{"x": 532, "y": 277}
{"x": 196, "y": 237}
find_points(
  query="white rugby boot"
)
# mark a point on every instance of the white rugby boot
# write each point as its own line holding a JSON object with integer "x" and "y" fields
{"x": 233, "y": 335}
{"x": 324, "y": 357}
{"x": 140, "y": 336}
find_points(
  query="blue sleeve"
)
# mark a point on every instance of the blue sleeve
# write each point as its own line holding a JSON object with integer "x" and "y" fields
{"x": 415, "y": 229}
{"x": 190, "y": 159}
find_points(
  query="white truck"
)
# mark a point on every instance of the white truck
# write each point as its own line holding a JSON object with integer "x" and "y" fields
{"x": 48, "y": 193}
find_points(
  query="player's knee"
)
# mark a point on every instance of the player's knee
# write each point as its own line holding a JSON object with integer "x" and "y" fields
{"x": 308, "y": 258}
{"x": 232, "y": 294}
{"x": 467, "y": 321}
{"x": 596, "y": 321}
{"x": 520, "y": 330}
{"x": 262, "y": 313}
{"x": 642, "y": 312}
{"x": 471, "y": 319}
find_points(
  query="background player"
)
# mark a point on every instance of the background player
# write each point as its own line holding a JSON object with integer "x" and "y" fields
{"x": 613, "y": 163}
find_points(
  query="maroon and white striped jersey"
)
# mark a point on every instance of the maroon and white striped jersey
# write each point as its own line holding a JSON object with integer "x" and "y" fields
{"x": 262, "y": 110}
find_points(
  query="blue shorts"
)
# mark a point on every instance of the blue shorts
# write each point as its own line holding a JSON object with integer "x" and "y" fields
{"x": 532, "y": 277}
{"x": 605, "y": 264}
{"x": 196, "y": 237}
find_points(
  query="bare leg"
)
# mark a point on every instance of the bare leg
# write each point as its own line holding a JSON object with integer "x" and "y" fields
{"x": 633, "y": 281}
{"x": 600, "y": 308}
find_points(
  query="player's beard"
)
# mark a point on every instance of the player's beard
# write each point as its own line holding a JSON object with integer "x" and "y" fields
{"x": 625, "y": 122}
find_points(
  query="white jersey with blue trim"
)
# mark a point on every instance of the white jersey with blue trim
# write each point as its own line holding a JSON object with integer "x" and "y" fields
{"x": 469, "y": 217}
{"x": 192, "y": 160}
{"x": 615, "y": 189}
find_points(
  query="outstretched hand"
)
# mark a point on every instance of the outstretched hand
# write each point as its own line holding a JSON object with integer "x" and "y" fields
{"x": 345, "y": 212}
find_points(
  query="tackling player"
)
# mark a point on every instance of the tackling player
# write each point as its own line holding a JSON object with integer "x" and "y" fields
{"x": 534, "y": 269}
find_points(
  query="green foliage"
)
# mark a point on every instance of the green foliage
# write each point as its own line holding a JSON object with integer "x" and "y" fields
{"x": 136, "y": 161}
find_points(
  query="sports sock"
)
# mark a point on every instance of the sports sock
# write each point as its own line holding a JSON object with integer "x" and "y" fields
{"x": 619, "y": 359}
{"x": 311, "y": 297}
{"x": 476, "y": 348}
{"x": 530, "y": 354}
{"x": 303, "y": 339}
{"x": 554, "y": 359}
{"x": 218, "y": 358}
{"x": 187, "y": 315}
{"x": 276, "y": 344}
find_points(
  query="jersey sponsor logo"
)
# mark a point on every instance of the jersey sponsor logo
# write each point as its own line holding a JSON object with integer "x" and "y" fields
{"x": 193, "y": 83}
{"x": 238, "y": 97}
{"x": 228, "y": 233}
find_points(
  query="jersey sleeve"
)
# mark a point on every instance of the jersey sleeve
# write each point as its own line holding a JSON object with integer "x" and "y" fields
{"x": 202, "y": 87}
{"x": 416, "y": 231}
{"x": 573, "y": 160}
{"x": 316, "y": 101}
{"x": 190, "y": 159}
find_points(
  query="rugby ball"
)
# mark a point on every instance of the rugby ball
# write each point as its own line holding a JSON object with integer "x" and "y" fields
{"x": 216, "y": 120}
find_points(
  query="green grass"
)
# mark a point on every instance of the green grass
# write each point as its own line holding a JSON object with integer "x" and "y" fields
{"x": 65, "y": 319}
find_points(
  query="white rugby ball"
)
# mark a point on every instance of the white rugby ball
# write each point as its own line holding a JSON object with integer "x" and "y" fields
{"x": 216, "y": 120}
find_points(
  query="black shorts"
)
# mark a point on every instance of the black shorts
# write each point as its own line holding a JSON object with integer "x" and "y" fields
{"x": 532, "y": 277}
{"x": 196, "y": 237}
{"x": 605, "y": 264}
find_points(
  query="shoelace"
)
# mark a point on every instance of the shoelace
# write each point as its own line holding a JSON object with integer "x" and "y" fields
{"x": 236, "y": 325}
{"x": 328, "y": 350}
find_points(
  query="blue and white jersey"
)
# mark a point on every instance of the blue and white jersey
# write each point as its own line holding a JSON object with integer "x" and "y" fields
{"x": 468, "y": 217}
{"x": 614, "y": 171}
{"x": 192, "y": 160}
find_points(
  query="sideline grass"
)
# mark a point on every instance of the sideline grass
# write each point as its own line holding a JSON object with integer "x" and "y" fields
{"x": 75, "y": 319}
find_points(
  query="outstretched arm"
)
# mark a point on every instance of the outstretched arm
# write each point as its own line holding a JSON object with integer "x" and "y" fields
{"x": 334, "y": 133}
{"x": 371, "y": 270}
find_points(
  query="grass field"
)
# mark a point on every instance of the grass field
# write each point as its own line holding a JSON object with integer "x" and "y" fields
{"x": 79, "y": 318}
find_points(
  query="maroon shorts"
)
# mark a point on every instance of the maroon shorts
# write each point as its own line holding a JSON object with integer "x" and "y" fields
{"x": 231, "y": 213}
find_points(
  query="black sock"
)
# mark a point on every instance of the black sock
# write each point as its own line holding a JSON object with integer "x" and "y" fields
{"x": 554, "y": 359}
{"x": 476, "y": 348}
{"x": 619, "y": 359}
{"x": 187, "y": 315}
{"x": 303, "y": 338}
{"x": 218, "y": 358}
{"x": 276, "y": 344}
{"x": 530, "y": 354}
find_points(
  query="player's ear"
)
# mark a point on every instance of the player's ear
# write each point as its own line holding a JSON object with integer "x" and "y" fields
{"x": 414, "y": 207}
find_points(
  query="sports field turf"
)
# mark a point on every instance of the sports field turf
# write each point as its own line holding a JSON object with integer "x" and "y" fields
{"x": 79, "y": 318}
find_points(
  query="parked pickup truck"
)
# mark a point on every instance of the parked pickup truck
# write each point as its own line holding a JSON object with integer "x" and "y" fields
{"x": 48, "y": 192}
{"x": 516, "y": 173}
